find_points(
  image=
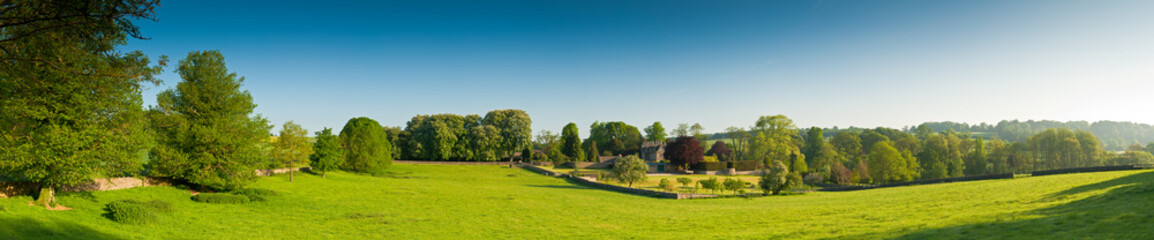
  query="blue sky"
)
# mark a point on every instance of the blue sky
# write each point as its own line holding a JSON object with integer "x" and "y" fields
{"x": 718, "y": 63}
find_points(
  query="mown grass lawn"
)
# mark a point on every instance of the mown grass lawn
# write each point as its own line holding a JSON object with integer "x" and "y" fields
{"x": 496, "y": 202}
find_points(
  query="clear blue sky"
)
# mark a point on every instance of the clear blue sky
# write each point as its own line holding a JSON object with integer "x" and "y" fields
{"x": 718, "y": 63}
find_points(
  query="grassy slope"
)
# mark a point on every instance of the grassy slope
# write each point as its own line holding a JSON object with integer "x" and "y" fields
{"x": 495, "y": 202}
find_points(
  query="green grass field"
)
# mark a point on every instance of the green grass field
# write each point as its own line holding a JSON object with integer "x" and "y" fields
{"x": 496, "y": 202}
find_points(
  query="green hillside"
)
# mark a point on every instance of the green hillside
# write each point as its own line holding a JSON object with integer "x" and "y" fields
{"x": 495, "y": 202}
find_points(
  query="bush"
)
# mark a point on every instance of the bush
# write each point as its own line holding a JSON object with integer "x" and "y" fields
{"x": 133, "y": 212}
{"x": 814, "y": 178}
{"x": 256, "y": 194}
{"x": 709, "y": 159}
{"x": 221, "y": 198}
{"x": 666, "y": 185}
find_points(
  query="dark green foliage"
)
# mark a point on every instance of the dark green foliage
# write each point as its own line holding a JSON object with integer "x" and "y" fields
{"x": 135, "y": 212}
{"x": 513, "y": 126}
{"x": 70, "y": 100}
{"x": 221, "y": 198}
{"x": 571, "y": 143}
{"x": 615, "y": 137}
{"x": 327, "y": 154}
{"x": 256, "y": 194}
{"x": 366, "y": 146}
{"x": 203, "y": 127}
{"x": 710, "y": 166}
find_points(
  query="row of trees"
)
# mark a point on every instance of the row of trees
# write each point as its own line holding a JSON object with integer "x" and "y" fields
{"x": 71, "y": 108}
{"x": 498, "y": 134}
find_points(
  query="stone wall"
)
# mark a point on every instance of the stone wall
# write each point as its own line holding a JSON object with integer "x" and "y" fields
{"x": 9, "y": 189}
{"x": 451, "y": 162}
{"x": 635, "y": 191}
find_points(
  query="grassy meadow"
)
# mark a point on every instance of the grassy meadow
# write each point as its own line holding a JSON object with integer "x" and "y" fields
{"x": 496, "y": 202}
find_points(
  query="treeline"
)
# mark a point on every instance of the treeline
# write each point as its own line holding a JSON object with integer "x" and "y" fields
{"x": 1114, "y": 135}
{"x": 498, "y": 135}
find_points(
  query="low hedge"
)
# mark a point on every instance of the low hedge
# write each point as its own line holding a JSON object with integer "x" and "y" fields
{"x": 221, "y": 198}
{"x": 135, "y": 212}
{"x": 709, "y": 166}
{"x": 744, "y": 165}
{"x": 256, "y": 194}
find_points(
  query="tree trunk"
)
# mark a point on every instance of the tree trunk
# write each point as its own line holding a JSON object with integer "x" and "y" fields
{"x": 291, "y": 174}
{"x": 47, "y": 196}
{"x": 323, "y": 175}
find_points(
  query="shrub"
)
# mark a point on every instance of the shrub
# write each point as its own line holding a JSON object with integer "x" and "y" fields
{"x": 709, "y": 159}
{"x": 684, "y": 181}
{"x": 814, "y": 178}
{"x": 221, "y": 198}
{"x": 666, "y": 185}
{"x": 256, "y": 194}
{"x": 733, "y": 184}
{"x": 133, "y": 212}
{"x": 712, "y": 184}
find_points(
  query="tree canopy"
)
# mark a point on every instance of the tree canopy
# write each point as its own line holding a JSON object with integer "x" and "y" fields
{"x": 366, "y": 147}
{"x": 684, "y": 151}
{"x": 571, "y": 143}
{"x": 292, "y": 147}
{"x": 327, "y": 153}
{"x": 203, "y": 127}
{"x": 70, "y": 102}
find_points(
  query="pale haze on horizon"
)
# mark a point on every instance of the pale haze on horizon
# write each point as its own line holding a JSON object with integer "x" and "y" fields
{"x": 721, "y": 64}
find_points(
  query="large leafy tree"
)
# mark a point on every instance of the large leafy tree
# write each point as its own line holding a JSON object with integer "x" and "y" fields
{"x": 571, "y": 143}
{"x": 514, "y": 126}
{"x": 367, "y": 148}
{"x": 976, "y": 162}
{"x": 813, "y": 142}
{"x": 778, "y": 178}
{"x": 887, "y": 164}
{"x": 292, "y": 147}
{"x": 655, "y": 132}
{"x": 70, "y": 104}
{"x": 615, "y": 137}
{"x": 203, "y": 127}
{"x": 327, "y": 154}
{"x": 684, "y": 151}
{"x": 774, "y": 140}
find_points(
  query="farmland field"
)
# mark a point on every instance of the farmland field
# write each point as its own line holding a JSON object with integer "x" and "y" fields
{"x": 496, "y": 202}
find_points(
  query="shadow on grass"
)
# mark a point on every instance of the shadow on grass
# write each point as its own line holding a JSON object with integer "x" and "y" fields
{"x": 559, "y": 186}
{"x": 27, "y": 228}
{"x": 1122, "y": 212}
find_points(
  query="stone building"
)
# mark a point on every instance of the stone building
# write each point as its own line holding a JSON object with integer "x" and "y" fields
{"x": 653, "y": 151}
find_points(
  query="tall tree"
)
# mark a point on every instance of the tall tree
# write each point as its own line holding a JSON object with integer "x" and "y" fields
{"x": 887, "y": 165}
{"x": 514, "y": 126}
{"x": 655, "y": 132}
{"x": 773, "y": 140}
{"x": 292, "y": 147}
{"x": 594, "y": 156}
{"x": 70, "y": 103}
{"x": 813, "y": 142}
{"x": 698, "y": 132}
{"x": 740, "y": 139}
{"x": 848, "y": 145}
{"x": 681, "y": 130}
{"x": 367, "y": 149}
{"x": 327, "y": 154}
{"x": 571, "y": 143}
{"x": 203, "y": 127}
{"x": 976, "y": 163}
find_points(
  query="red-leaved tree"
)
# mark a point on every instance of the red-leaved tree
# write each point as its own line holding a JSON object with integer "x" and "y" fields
{"x": 720, "y": 150}
{"x": 684, "y": 151}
